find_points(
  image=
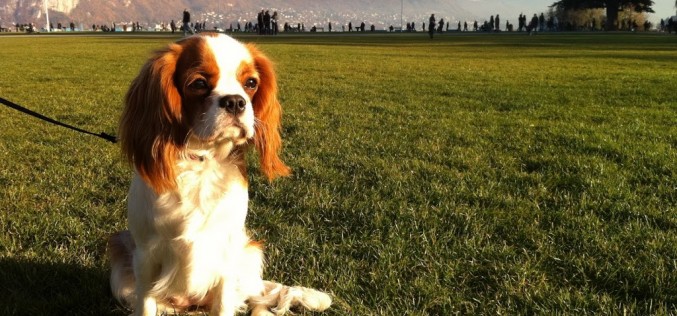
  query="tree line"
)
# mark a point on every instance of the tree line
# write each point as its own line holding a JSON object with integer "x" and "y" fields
{"x": 612, "y": 7}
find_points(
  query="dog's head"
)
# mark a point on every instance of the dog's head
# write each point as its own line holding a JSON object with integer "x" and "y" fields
{"x": 207, "y": 92}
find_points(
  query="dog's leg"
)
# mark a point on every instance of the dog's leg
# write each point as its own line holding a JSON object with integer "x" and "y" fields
{"x": 252, "y": 282}
{"x": 224, "y": 302}
{"x": 120, "y": 249}
{"x": 234, "y": 290}
{"x": 146, "y": 305}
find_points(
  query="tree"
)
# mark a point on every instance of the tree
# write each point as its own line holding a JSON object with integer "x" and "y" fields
{"x": 612, "y": 8}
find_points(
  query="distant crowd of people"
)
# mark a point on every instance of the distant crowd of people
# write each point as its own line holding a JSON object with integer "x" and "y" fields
{"x": 267, "y": 24}
{"x": 537, "y": 23}
{"x": 669, "y": 26}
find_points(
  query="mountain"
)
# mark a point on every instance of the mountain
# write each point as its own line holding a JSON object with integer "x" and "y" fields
{"x": 381, "y": 13}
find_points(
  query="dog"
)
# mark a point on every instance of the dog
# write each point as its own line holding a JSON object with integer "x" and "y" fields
{"x": 189, "y": 118}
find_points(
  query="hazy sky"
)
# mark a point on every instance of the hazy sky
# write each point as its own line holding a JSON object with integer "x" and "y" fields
{"x": 512, "y": 8}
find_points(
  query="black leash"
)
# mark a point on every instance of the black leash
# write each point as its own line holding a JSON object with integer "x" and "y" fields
{"x": 22, "y": 109}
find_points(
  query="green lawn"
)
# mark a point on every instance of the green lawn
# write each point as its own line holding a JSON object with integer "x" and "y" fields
{"x": 471, "y": 174}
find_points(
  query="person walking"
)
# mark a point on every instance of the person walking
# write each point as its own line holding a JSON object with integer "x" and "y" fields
{"x": 186, "y": 23}
{"x": 259, "y": 20}
{"x": 266, "y": 23}
{"x": 431, "y": 25}
{"x": 273, "y": 21}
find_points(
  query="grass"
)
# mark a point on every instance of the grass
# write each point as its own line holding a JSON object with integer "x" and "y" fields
{"x": 474, "y": 174}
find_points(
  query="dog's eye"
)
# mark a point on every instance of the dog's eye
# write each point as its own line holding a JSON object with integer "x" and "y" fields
{"x": 251, "y": 83}
{"x": 199, "y": 84}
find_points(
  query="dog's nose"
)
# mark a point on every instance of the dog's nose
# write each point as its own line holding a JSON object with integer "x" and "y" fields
{"x": 233, "y": 103}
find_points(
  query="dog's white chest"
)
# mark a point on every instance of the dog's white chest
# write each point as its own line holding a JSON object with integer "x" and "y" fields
{"x": 198, "y": 228}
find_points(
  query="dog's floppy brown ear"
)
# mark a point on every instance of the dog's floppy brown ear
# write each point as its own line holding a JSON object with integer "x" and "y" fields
{"x": 268, "y": 112}
{"x": 149, "y": 136}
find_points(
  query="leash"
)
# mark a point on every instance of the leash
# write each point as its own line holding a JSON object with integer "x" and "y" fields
{"x": 24, "y": 110}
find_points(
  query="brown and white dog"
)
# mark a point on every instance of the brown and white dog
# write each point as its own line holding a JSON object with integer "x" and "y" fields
{"x": 188, "y": 120}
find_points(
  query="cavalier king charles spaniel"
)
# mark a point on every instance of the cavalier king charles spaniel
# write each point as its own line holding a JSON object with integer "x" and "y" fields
{"x": 189, "y": 118}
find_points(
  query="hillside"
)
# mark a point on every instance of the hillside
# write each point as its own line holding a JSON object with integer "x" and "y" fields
{"x": 147, "y": 12}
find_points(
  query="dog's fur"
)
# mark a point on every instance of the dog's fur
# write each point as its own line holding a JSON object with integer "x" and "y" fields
{"x": 188, "y": 120}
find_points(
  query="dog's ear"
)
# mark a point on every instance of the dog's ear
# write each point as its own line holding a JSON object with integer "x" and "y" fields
{"x": 268, "y": 112}
{"x": 150, "y": 130}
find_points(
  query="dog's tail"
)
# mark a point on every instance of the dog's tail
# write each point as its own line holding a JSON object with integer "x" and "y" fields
{"x": 120, "y": 249}
{"x": 277, "y": 299}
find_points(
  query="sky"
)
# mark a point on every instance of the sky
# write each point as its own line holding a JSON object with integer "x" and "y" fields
{"x": 512, "y": 8}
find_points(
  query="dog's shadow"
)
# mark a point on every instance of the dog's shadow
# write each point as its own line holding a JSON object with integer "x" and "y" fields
{"x": 37, "y": 288}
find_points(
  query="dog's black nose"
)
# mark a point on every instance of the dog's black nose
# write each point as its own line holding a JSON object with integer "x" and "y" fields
{"x": 233, "y": 103}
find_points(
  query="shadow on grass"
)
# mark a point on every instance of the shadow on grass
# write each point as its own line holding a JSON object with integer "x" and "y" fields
{"x": 44, "y": 288}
